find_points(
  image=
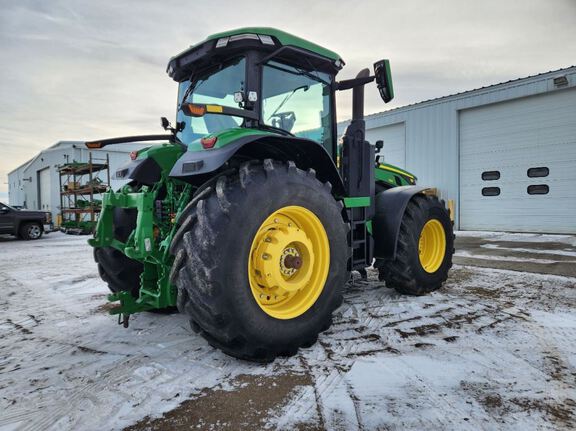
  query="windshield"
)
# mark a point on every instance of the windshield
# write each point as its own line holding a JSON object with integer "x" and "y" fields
{"x": 215, "y": 88}
{"x": 297, "y": 101}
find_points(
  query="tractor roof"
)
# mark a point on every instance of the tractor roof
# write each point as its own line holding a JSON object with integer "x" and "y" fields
{"x": 283, "y": 37}
{"x": 228, "y": 43}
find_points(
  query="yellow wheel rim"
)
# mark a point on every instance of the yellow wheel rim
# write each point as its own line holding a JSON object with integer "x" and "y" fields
{"x": 432, "y": 246}
{"x": 289, "y": 262}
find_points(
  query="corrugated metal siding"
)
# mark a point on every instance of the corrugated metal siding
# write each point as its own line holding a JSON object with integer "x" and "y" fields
{"x": 394, "y": 137}
{"x": 432, "y": 128}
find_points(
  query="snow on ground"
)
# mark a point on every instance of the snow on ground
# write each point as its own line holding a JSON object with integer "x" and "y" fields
{"x": 493, "y": 349}
{"x": 529, "y": 250}
{"x": 518, "y": 237}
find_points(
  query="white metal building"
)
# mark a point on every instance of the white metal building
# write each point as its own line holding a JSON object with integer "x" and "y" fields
{"x": 506, "y": 154}
{"x": 35, "y": 184}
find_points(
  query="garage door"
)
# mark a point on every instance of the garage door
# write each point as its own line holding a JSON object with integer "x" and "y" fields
{"x": 518, "y": 165}
{"x": 44, "y": 189}
{"x": 394, "y": 137}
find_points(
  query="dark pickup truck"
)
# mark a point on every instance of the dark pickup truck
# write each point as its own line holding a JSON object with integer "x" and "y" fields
{"x": 23, "y": 223}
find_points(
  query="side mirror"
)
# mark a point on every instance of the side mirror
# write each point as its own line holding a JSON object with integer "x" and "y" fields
{"x": 379, "y": 145}
{"x": 384, "y": 80}
{"x": 165, "y": 123}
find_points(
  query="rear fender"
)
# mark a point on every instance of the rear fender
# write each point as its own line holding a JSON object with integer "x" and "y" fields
{"x": 390, "y": 207}
{"x": 304, "y": 152}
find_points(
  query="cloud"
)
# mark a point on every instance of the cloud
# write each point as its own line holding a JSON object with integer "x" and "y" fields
{"x": 86, "y": 70}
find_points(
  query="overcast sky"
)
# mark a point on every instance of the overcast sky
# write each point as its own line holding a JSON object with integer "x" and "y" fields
{"x": 83, "y": 69}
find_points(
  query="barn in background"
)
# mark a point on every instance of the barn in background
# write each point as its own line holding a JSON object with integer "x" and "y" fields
{"x": 35, "y": 185}
{"x": 505, "y": 154}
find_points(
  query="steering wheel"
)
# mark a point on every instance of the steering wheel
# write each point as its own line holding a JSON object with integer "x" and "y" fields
{"x": 284, "y": 120}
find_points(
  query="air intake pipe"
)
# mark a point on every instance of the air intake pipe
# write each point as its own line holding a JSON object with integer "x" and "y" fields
{"x": 358, "y": 95}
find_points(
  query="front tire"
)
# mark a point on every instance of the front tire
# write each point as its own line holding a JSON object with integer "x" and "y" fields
{"x": 31, "y": 231}
{"x": 424, "y": 249}
{"x": 261, "y": 260}
{"x": 119, "y": 271}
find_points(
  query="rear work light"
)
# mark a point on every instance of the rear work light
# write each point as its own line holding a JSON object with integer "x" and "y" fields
{"x": 208, "y": 142}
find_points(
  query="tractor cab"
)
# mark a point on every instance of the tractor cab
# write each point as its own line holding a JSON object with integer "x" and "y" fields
{"x": 274, "y": 91}
{"x": 258, "y": 78}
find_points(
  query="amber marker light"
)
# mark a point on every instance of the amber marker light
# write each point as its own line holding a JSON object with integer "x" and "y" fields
{"x": 196, "y": 110}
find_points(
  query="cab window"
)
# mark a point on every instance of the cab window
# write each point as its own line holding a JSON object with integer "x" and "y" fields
{"x": 297, "y": 101}
{"x": 215, "y": 87}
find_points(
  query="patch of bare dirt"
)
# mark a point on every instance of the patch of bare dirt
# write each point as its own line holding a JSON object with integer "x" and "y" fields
{"x": 247, "y": 407}
{"x": 561, "y": 412}
{"x": 484, "y": 292}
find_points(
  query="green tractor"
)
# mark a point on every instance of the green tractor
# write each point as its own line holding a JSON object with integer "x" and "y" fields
{"x": 251, "y": 216}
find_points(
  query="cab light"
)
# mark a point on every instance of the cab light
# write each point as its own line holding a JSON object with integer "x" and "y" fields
{"x": 208, "y": 142}
{"x": 265, "y": 39}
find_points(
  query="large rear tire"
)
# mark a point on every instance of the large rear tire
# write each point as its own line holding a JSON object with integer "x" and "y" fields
{"x": 261, "y": 260}
{"x": 424, "y": 249}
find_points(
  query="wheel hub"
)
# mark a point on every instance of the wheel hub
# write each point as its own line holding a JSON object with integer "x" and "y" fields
{"x": 289, "y": 262}
{"x": 34, "y": 232}
{"x": 283, "y": 260}
{"x": 432, "y": 246}
{"x": 292, "y": 261}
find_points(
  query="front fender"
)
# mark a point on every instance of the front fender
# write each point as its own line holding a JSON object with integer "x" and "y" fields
{"x": 390, "y": 207}
{"x": 145, "y": 171}
{"x": 150, "y": 164}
